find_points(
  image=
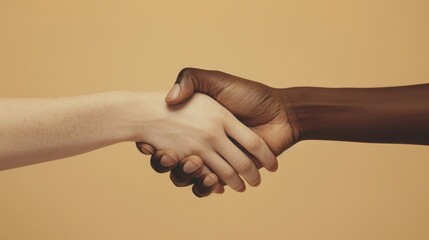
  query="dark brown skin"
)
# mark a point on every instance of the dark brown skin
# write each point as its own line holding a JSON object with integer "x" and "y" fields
{"x": 258, "y": 106}
{"x": 375, "y": 115}
{"x": 282, "y": 117}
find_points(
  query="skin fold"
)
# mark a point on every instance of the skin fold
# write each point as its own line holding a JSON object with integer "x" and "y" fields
{"x": 43, "y": 129}
{"x": 283, "y": 117}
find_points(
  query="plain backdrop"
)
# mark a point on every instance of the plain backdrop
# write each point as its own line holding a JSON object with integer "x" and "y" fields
{"x": 322, "y": 190}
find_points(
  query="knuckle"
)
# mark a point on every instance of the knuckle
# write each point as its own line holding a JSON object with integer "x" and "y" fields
{"x": 227, "y": 174}
{"x": 193, "y": 158}
{"x": 217, "y": 73}
{"x": 223, "y": 116}
{"x": 244, "y": 166}
{"x": 185, "y": 72}
{"x": 209, "y": 136}
{"x": 254, "y": 143}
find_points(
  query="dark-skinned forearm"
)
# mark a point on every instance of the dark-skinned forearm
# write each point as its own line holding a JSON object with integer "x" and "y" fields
{"x": 383, "y": 115}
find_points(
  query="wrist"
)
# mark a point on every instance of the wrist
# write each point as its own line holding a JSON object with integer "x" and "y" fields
{"x": 313, "y": 112}
{"x": 310, "y": 110}
{"x": 333, "y": 113}
{"x": 290, "y": 99}
{"x": 137, "y": 109}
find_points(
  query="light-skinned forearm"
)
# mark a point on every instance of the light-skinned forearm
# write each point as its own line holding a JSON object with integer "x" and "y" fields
{"x": 43, "y": 129}
{"x": 383, "y": 115}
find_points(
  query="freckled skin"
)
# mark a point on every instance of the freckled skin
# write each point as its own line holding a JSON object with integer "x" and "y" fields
{"x": 43, "y": 129}
{"x": 38, "y": 130}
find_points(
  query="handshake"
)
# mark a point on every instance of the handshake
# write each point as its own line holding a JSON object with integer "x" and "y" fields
{"x": 221, "y": 136}
{"x": 215, "y": 130}
{"x": 212, "y": 142}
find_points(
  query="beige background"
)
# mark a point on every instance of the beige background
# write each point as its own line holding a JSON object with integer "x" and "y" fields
{"x": 323, "y": 190}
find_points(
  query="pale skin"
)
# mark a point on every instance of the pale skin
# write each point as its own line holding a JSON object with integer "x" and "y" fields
{"x": 283, "y": 117}
{"x": 43, "y": 129}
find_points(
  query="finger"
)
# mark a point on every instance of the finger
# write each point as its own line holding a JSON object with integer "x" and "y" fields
{"x": 145, "y": 148}
{"x": 190, "y": 80}
{"x": 182, "y": 89}
{"x": 186, "y": 171}
{"x": 183, "y": 175}
{"x": 219, "y": 189}
{"x": 254, "y": 144}
{"x": 254, "y": 160}
{"x": 164, "y": 160}
{"x": 240, "y": 162}
{"x": 206, "y": 190}
{"x": 205, "y": 185}
{"x": 224, "y": 171}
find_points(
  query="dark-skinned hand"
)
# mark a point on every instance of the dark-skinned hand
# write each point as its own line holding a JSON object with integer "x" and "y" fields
{"x": 258, "y": 106}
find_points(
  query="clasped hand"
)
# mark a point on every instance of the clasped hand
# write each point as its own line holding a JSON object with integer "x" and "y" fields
{"x": 202, "y": 142}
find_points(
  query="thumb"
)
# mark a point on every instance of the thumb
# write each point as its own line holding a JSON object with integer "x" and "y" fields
{"x": 189, "y": 81}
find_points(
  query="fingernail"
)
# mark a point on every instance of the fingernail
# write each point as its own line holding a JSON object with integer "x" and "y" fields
{"x": 174, "y": 92}
{"x": 219, "y": 190}
{"x": 209, "y": 181}
{"x": 256, "y": 183}
{"x": 167, "y": 161}
{"x": 274, "y": 167}
{"x": 242, "y": 189}
{"x": 216, "y": 191}
{"x": 190, "y": 167}
{"x": 146, "y": 150}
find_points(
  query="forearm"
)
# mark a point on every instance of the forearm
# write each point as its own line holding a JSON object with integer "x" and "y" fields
{"x": 385, "y": 115}
{"x": 37, "y": 130}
